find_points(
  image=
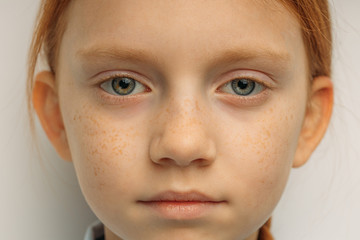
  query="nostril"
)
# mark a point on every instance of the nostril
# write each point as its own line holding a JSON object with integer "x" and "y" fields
{"x": 164, "y": 162}
{"x": 201, "y": 162}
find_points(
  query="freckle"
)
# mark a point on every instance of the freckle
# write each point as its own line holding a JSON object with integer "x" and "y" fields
{"x": 197, "y": 106}
{"x": 95, "y": 151}
{"x": 268, "y": 133}
{"x": 261, "y": 160}
{"x": 95, "y": 171}
{"x": 101, "y": 186}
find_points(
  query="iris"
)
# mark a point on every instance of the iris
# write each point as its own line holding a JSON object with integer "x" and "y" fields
{"x": 243, "y": 86}
{"x": 123, "y": 85}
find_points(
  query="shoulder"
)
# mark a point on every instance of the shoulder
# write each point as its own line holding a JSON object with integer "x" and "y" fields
{"x": 95, "y": 231}
{"x": 264, "y": 232}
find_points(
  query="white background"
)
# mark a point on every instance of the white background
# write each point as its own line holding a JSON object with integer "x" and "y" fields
{"x": 40, "y": 198}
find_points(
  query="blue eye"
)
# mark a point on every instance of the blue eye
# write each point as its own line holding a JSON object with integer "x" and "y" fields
{"x": 122, "y": 86}
{"x": 243, "y": 87}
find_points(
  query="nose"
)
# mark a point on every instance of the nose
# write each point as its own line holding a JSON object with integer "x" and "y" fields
{"x": 181, "y": 136}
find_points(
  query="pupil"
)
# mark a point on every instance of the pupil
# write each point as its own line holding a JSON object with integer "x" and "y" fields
{"x": 243, "y": 84}
{"x": 124, "y": 83}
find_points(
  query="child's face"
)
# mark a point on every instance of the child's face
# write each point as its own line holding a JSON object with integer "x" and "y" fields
{"x": 183, "y": 128}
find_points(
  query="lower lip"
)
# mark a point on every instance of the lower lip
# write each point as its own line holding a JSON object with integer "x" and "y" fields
{"x": 181, "y": 210}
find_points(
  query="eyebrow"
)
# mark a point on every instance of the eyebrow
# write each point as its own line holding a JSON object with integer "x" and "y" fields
{"x": 99, "y": 53}
{"x": 274, "y": 62}
{"x": 247, "y": 54}
{"x": 276, "y": 58}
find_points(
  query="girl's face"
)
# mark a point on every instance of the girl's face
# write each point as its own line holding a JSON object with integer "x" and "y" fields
{"x": 182, "y": 117}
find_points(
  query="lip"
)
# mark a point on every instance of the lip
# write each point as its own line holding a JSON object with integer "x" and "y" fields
{"x": 182, "y": 205}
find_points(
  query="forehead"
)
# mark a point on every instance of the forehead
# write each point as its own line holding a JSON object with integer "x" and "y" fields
{"x": 183, "y": 28}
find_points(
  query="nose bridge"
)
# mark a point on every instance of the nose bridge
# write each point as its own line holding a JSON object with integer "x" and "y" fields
{"x": 184, "y": 121}
{"x": 182, "y": 136}
{"x": 183, "y": 113}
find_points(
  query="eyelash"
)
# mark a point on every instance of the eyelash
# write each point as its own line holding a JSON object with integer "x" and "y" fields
{"x": 117, "y": 98}
{"x": 108, "y": 81}
{"x": 253, "y": 91}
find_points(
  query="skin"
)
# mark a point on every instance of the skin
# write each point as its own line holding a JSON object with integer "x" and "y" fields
{"x": 185, "y": 131}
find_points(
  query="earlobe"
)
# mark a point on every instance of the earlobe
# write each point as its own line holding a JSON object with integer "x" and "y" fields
{"x": 46, "y": 104}
{"x": 316, "y": 120}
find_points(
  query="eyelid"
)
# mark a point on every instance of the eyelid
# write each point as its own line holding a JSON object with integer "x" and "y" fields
{"x": 256, "y": 76}
{"x": 105, "y": 76}
{"x": 117, "y": 99}
{"x": 254, "y": 100}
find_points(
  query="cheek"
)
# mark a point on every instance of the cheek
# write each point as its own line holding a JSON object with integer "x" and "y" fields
{"x": 260, "y": 152}
{"x": 104, "y": 153}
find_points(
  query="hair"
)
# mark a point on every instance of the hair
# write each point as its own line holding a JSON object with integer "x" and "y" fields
{"x": 313, "y": 16}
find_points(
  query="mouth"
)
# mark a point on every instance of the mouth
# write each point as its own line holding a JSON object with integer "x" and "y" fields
{"x": 182, "y": 205}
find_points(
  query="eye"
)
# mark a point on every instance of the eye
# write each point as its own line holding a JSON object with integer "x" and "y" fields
{"x": 122, "y": 86}
{"x": 243, "y": 87}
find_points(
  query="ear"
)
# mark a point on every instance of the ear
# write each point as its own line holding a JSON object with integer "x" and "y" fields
{"x": 317, "y": 118}
{"x": 46, "y": 103}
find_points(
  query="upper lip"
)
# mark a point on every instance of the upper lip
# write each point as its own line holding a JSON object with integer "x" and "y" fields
{"x": 172, "y": 196}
